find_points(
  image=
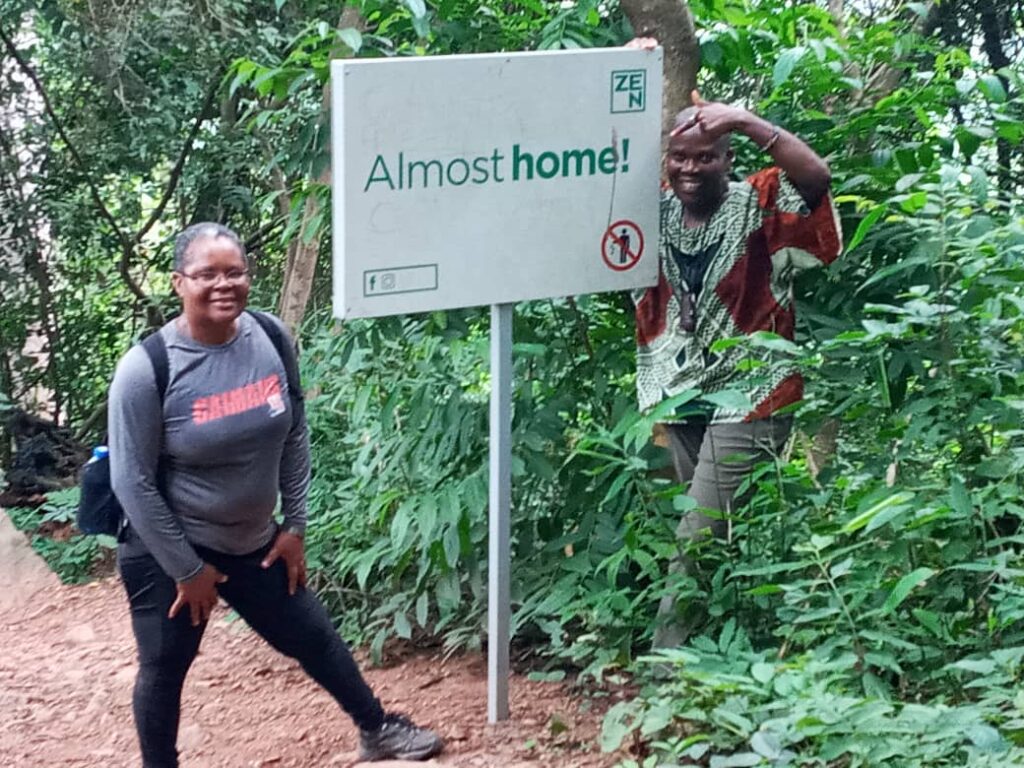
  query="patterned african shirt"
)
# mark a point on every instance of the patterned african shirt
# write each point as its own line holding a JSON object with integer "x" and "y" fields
{"x": 736, "y": 271}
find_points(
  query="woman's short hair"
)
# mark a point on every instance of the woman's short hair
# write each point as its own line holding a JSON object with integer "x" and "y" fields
{"x": 184, "y": 240}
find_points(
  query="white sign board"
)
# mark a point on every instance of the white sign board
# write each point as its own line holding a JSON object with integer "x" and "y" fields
{"x": 489, "y": 179}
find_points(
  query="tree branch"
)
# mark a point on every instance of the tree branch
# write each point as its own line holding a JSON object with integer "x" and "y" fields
{"x": 127, "y": 245}
{"x": 260, "y": 236}
{"x": 179, "y": 166}
{"x": 127, "y": 251}
{"x": 30, "y": 73}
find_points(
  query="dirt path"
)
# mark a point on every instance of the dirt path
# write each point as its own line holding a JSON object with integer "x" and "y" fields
{"x": 67, "y": 666}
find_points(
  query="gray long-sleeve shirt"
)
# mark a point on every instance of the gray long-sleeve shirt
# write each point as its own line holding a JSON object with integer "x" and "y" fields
{"x": 229, "y": 444}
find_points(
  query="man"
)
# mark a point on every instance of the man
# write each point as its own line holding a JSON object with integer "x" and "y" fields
{"x": 728, "y": 253}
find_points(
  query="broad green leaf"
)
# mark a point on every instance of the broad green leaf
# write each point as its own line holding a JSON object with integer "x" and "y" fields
{"x": 682, "y": 502}
{"x": 968, "y": 142}
{"x": 418, "y": 8}
{"x": 448, "y": 591}
{"x": 711, "y": 53}
{"x": 452, "y": 545}
{"x": 728, "y": 632}
{"x": 929, "y": 621}
{"x": 422, "y": 609}
{"x": 765, "y": 589}
{"x": 977, "y": 666}
{"x": 887, "y": 516}
{"x": 904, "y": 587}
{"x": 766, "y": 744}
{"x": 992, "y": 88}
{"x": 785, "y": 64}
{"x": 903, "y": 265}
{"x": 243, "y": 71}
{"x": 921, "y": 9}
{"x": 906, "y": 182}
{"x": 865, "y": 226}
{"x": 402, "y": 626}
{"x": 774, "y": 342}
{"x": 400, "y": 525}
{"x": 959, "y": 498}
{"x": 840, "y": 569}
{"x": 617, "y": 724}
{"x": 914, "y": 202}
{"x": 554, "y": 676}
{"x": 669, "y": 406}
{"x": 762, "y": 672}
{"x": 730, "y": 400}
{"x": 656, "y": 719}
{"x": 738, "y": 760}
{"x": 426, "y": 517}
{"x": 987, "y": 739}
{"x": 1013, "y": 131}
{"x": 351, "y": 37}
{"x": 1008, "y": 656}
{"x": 821, "y": 543}
{"x": 861, "y": 520}
{"x": 363, "y": 571}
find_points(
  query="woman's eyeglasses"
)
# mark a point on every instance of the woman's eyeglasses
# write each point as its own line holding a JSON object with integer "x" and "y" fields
{"x": 209, "y": 278}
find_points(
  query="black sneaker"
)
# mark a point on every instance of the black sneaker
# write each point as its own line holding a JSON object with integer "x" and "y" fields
{"x": 398, "y": 738}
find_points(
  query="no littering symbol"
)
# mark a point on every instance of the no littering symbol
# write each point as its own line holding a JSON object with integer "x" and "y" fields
{"x": 622, "y": 245}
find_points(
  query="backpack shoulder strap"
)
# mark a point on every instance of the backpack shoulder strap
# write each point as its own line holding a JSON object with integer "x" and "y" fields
{"x": 156, "y": 348}
{"x": 285, "y": 351}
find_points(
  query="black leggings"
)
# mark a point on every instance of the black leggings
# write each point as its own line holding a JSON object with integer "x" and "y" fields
{"x": 296, "y": 625}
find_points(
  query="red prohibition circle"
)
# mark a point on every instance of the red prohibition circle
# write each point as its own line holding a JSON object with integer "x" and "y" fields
{"x": 632, "y": 252}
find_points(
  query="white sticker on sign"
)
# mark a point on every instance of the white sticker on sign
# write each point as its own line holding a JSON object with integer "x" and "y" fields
{"x": 377, "y": 282}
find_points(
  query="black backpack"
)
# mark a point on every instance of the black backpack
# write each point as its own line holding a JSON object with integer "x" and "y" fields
{"x": 99, "y": 511}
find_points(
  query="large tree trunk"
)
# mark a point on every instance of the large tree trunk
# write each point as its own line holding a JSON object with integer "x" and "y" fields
{"x": 671, "y": 22}
{"x": 300, "y": 266}
{"x": 885, "y": 79}
{"x": 837, "y": 11}
{"x": 993, "y": 35}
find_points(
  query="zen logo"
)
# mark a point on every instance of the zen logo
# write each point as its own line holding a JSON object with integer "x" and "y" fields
{"x": 629, "y": 90}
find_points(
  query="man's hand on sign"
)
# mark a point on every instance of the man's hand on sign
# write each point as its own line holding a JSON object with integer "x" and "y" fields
{"x": 711, "y": 117}
{"x": 642, "y": 43}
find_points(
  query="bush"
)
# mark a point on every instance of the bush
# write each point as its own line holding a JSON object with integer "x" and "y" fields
{"x": 74, "y": 557}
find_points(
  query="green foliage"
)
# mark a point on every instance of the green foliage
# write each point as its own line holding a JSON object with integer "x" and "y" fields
{"x": 50, "y": 528}
{"x": 731, "y": 705}
{"x": 887, "y": 577}
{"x": 867, "y": 613}
{"x": 399, "y": 501}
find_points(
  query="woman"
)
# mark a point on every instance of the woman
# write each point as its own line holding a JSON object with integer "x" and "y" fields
{"x": 229, "y": 441}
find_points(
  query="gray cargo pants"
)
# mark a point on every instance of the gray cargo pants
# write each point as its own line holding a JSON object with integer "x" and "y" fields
{"x": 714, "y": 459}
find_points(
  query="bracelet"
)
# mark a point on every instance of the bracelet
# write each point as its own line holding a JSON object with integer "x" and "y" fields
{"x": 771, "y": 139}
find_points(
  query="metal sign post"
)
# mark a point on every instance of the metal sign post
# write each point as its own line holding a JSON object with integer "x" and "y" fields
{"x": 500, "y": 525}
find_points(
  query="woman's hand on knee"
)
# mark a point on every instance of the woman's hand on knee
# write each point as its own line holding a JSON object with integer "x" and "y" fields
{"x": 199, "y": 593}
